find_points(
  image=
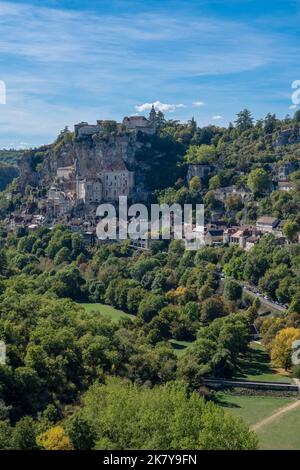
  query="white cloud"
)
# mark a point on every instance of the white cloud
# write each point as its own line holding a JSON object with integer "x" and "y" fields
{"x": 217, "y": 117}
{"x": 198, "y": 104}
{"x": 159, "y": 106}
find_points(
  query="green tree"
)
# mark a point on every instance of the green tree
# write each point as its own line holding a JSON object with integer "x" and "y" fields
{"x": 126, "y": 416}
{"x": 62, "y": 255}
{"x": 24, "y": 435}
{"x": 258, "y": 180}
{"x": 244, "y": 120}
{"x": 203, "y": 154}
{"x": 232, "y": 290}
{"x": 80, "y": 432}
{"x": 290, "y": 230}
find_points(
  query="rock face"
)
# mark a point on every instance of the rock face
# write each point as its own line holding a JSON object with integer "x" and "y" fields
{"x": 93, "y": 154}
{"x": 288, "y": 137}
{"x": 106, "y": 146}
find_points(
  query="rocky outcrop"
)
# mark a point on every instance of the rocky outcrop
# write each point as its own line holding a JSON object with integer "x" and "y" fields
{"x": 93, "y": 153}
{"x": 288, "y": 137}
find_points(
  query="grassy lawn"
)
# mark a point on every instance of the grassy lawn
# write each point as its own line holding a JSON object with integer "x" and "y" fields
{"x": 257, "y": 366}
{"x": 251, "y": 408}
{"x": 282, "y": 433}
{"x": 180, "y": 347}
{"x": 108, "y": 310}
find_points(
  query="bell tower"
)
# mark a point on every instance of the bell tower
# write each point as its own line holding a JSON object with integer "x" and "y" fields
{"x": 152, "y": 115}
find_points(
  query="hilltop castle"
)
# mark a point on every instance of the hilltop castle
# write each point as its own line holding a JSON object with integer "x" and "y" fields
{"x": 85, "y": 184}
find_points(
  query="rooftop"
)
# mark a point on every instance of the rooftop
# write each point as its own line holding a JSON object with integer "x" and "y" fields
{"x": 267, "y": 220}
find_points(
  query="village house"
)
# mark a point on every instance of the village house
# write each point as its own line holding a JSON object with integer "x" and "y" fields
{"x": 240, "y": 235}
{"x": 214, "y": 237}
{"x": 266, "y": 224}
{"x": 285, "y": 185}
{"x": 222, "y": 193}
{"x": 285, "y": 170}
{"x": 199, "y": 170}
{"x": 251, "y": 242}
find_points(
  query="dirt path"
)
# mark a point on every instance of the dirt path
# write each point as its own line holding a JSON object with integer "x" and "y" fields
{"x": 275, "y": 415}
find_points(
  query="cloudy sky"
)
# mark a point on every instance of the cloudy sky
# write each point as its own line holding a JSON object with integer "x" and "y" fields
{"x": 68, "y": 61}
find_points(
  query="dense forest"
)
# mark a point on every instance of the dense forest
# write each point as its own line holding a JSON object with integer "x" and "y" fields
{"x": 60, "y": 357}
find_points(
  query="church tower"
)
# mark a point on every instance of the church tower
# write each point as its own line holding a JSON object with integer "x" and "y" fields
{"x": 153, "y": 116}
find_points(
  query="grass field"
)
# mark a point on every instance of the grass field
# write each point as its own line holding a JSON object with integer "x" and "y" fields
{"x": 180, "y": 347}
{"x": 108, "y": 310}
{"x": 251, "y": 408}
{"x": 256, "y": 366}
{"x": 283, "y": 433}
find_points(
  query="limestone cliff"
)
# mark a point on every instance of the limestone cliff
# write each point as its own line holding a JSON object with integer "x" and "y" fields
{"x": 94, "y": 153}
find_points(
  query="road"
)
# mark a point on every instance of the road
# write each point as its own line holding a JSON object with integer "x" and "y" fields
{"x": 267, "y": 303}
{"x": 264, "y": 301}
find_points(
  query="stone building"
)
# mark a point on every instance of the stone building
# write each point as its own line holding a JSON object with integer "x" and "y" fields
{"x": 202, "y": 171}
{"x": 107, "y": 186}
{"x": 286, "y": 169}
{"x": 140, "y": 123}
{"x": 59, "y": 202}
{"x": 65, "y": 173}
{"x": 266, "y": 224}
{"x": 84, "y": 129}
{"x": 117, "y": 183}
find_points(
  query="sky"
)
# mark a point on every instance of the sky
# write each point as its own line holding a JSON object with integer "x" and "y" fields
{"x": 62, "y": 62}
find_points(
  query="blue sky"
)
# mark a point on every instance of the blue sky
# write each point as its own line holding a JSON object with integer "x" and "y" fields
{"x": 67, "y": 61}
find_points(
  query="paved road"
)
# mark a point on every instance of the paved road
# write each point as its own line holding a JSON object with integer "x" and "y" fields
{"x": 267, "y": 303}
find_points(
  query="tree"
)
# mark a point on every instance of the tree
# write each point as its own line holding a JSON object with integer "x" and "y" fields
{"x": 3, "y": 263}
{"x": 214, "y": 182}
{"x": 150, "y": 306}
{"x": 195, "y": 184}
{"x": 23, "y": 435}
{"x": 80, "y": 432}
{"x": 258, "y": 180}
{"x": 202, "y": 154}
{"x": 290, "y": 230}
{"x": 270, "y": 123}
{"x": 211, "y": 308}
{"x": 62, "y": 255}
{"x": 232, "y": 290}
{"x": 55, "y": 439}
{"x": 127, "y": 416}
{"x": 297, "y": 116}
{"x": 244, "y": 120}
{"x": 281, "y": 347}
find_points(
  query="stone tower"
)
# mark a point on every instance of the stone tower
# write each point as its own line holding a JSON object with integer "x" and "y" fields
{"x": 153, "y": 116}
